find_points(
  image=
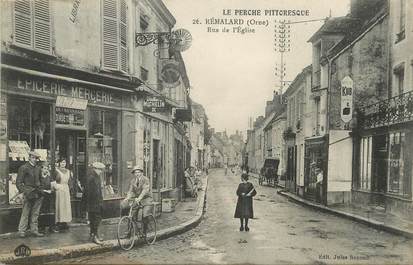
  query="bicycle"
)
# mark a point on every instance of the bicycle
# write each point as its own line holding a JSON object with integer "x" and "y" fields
{"x": 129, "y": 228}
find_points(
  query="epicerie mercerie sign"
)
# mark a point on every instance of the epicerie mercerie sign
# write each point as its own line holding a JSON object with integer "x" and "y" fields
{"x": 66, "y": 89}
{"x": 153, "y": 104}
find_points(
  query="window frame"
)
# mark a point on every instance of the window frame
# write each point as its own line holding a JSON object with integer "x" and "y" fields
{"x": 119, "y": 47}
{"x": 32, "y": 46}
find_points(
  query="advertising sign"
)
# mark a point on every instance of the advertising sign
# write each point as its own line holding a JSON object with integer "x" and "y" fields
{"x": 154, "y": 104}
{"x": 346, "y": 99}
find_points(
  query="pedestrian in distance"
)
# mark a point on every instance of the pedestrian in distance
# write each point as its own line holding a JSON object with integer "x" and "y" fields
{"x": 244, "y": 209}
{"x": 63, "y": 208}
{"x": 28, "y": 183}
{"x": 94, "y": 200}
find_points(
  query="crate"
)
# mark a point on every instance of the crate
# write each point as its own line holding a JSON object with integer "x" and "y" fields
{"x": 156, "y": 209}
{"x": 168, "y": 205}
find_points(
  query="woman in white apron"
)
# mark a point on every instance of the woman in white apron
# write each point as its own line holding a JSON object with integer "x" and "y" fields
{"x": 63, "y": 207}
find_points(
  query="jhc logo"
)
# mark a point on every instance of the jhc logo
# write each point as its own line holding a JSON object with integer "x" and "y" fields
{"x": 22, "y": 251}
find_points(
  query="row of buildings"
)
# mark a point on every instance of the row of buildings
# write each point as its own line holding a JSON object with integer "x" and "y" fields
{"x": 226, "y": 150}
{"x": 91, "y": 81}
{"x": 348, "y": 114}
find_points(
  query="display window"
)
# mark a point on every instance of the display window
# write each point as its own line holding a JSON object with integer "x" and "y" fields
{"x": 28, "y": 129}
{"x": 102, "y": 146}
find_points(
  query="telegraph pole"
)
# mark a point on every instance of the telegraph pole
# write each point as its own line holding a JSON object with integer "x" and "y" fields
{"x": 282, "y": 44}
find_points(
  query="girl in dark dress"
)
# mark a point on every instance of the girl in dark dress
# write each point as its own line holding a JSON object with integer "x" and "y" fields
{"x": 244, "y": 209}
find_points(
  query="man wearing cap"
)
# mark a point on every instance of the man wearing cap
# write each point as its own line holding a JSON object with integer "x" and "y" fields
{"x": 94, "y": 199}
{"x": 139, "y": 192}
{"x": 28, "y": 183}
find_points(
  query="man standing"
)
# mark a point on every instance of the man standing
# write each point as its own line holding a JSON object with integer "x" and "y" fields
{"x": 28, "y": 183}
{"x": 94, "y": 200}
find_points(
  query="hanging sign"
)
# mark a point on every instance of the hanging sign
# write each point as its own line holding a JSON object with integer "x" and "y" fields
{"x": 75, "y": 9}
{"x": 347, "y": 91}
{"x": 170, "y": 73}
{"x": 154, "y": 104}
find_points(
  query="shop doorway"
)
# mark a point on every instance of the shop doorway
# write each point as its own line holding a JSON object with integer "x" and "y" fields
{"x": 71, "y": 145}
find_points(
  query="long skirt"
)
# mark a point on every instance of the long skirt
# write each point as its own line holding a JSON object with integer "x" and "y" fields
{"x": 63, "y": 207}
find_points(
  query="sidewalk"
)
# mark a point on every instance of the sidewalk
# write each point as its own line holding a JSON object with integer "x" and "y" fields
{"x": 371, "y": 216}
{"x": 75, "y": 242}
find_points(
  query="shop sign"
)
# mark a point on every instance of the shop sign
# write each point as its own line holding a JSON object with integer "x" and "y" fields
{"x": 70, "y": 117}
{"x": 347, "y": 90}
{"x": 19, "y": 150}
{"x": 154, "y": 104}
{"x": 71, "y": 103}
{"x": 170, "y": 73}
{"x": 55, "y": 88}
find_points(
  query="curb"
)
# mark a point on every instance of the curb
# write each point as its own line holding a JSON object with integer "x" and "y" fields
{"x": 48, "y": 255}
{"x": 360, "y": 219}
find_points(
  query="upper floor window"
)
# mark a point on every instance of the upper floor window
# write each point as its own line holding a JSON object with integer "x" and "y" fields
{"x": 399, "y": 78}
{"x": 144, "y": 74}
{"x": 114, "y": 35}
{"x": 402, "y": 23}
{"x": 32, "y": 25}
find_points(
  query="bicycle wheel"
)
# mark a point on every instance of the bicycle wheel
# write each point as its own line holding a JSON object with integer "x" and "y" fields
{"x": 149, "y": 229}
{"x": 126, "y": 233}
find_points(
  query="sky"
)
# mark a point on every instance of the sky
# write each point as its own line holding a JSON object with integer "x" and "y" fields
{"x": 233, "y": 75}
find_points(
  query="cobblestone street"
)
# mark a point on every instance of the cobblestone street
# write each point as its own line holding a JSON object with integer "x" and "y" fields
{"x": 282, "y": 232}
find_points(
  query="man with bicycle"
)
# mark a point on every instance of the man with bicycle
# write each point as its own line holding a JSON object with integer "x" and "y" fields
{"x": 138, "y": 194}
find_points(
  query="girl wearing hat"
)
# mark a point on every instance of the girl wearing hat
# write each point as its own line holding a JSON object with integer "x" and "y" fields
{"x": 244, "y": 209}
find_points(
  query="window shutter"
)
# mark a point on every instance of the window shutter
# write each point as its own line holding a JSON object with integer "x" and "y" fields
{"x": 22, "y": 23}
{"x": 110, "y": 35}
{"x": 42, "y": 36}
{"x": 123, "y": 37}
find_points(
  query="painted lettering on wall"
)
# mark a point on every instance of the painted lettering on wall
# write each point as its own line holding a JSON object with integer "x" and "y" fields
{"x": 75, "y": 9}
{"x": 62, "y": 89}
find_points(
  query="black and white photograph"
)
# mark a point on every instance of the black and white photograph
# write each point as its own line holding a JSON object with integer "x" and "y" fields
{"x": 206, "y": 132}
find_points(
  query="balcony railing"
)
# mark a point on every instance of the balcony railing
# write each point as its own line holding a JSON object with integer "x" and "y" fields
{"x": 395, "y": 110}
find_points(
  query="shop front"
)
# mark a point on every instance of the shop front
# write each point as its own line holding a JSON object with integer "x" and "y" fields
{"x": 383, "y": 177}
{"x": 62, "y": 119}
{"x": 315, "y": 169}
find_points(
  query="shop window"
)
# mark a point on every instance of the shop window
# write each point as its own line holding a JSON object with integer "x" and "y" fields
{"x": 28, "y": 128}
{"x": 114, "y": 35}
{"x": 365, "y": 163}
{"x": 102, "y": 147}
{"x": 397, "y": 146}
{"x": 32, "y": 25}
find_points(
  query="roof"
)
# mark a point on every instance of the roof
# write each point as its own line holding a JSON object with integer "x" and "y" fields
{"x": 280, "y": 115}
{"x": 356, "y": 32}
{"x": 298, "y": 78}
{"x": 335, "y": 25}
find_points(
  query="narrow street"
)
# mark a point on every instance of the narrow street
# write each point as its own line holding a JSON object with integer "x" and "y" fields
{"x": 281, "y": 233}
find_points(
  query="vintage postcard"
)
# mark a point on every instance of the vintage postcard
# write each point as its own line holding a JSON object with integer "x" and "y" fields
{"x": 206, "y": 132}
